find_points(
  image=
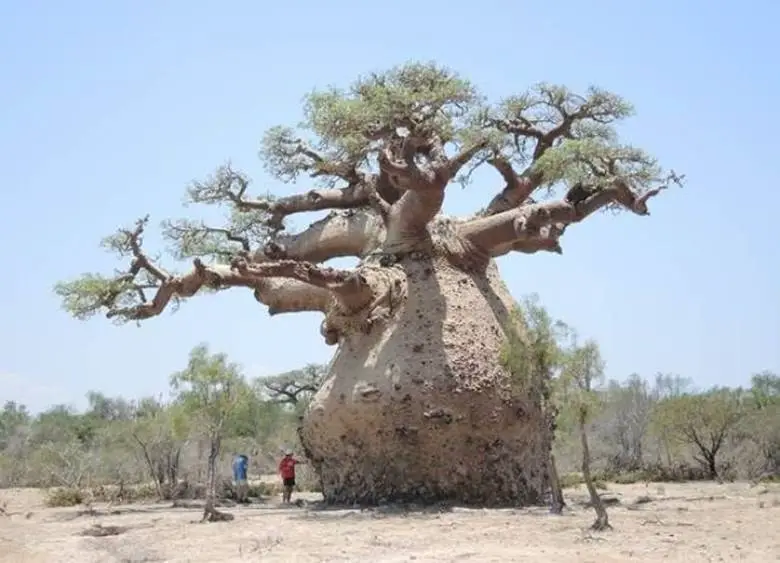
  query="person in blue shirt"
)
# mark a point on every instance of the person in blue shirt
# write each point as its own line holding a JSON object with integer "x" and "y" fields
{"x": 240, "y": 469}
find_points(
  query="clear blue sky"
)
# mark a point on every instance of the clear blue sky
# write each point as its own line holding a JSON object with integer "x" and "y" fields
{"x": 108, "y": 109}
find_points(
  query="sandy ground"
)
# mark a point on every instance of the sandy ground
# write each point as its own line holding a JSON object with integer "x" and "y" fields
{"x": 689, "y": 522}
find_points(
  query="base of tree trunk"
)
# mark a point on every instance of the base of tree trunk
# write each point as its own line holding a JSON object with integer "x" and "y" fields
{"x": 421, "y": 409}
{"x": 500, "y": 485}
{"x": 601, "y": 525}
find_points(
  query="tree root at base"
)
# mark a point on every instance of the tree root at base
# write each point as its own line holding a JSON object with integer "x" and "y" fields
{"x": 601, "y": 525}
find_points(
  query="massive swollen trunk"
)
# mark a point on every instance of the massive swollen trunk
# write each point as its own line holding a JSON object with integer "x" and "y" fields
{"x": 420, "y": 409}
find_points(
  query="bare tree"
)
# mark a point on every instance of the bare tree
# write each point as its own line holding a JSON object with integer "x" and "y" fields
{"x": 627, "y": 421}
{"x": 159, "y": 434}
{"x": 420, "y": 321}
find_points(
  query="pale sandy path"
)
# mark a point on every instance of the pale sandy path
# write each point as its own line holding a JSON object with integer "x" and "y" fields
{"x": 691, "y": 522}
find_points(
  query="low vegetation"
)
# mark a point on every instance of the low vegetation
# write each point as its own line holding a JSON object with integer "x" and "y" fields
{"x": 123, "y": 450}
{"x": 637, "y": 430}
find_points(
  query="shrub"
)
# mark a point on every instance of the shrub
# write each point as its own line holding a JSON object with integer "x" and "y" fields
{"x": 64, "y": 496}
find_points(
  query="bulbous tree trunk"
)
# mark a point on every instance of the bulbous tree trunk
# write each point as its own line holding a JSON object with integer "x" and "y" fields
{"x": 421, "y": 409}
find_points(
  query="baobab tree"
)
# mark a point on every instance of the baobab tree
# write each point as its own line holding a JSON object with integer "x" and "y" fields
{"x": 416, "y": 404}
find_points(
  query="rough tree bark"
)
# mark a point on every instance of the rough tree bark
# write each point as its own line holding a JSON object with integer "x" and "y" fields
{"x": 416, "y": 405}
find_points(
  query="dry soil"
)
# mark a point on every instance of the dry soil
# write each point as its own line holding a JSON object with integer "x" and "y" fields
{"x": 671, "y": 522}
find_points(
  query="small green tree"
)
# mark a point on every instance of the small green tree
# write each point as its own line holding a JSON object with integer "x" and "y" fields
{"x": 534, "y": 358}
{"x": 582, "y": 368}
{"x": 210, "y": 388}
{"x": 703, "y": 421}
{"x": 763, "y": 421}
{"x": 547, "y": 356}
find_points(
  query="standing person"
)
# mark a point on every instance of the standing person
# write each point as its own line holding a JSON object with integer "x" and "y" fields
{"x": 287, "y": 471}
{"x": 240, "y": 469}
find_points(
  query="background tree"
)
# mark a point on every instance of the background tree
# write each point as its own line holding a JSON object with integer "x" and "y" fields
{"x": 626, "y": 421}
{"x": 297, "y": 386}
{"x": 760, "y": 426}
{"x": 13, "y": 416}
{"x": 702, "y": 421}
{"x": 584, "y": 367}
{"x": 62, "y": 443}
{"x": 15, "y": 421}
{"x": 765, "y": 389}
{"x": 420, "y": 320}
{"x": 667, "y": 386}
{"x": 210, "y": 388}
{"x": 101, "y": 456}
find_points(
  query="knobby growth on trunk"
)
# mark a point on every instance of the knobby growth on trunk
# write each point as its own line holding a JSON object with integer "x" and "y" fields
{"x": 379, "y": 157}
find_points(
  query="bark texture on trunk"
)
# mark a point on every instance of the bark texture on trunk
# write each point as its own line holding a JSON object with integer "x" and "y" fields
{"x": 420, "y": 409}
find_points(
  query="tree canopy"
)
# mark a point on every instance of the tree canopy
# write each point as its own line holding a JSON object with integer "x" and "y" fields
{"x": 379, "y": 154}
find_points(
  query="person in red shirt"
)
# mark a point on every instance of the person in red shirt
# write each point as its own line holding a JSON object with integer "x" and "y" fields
{"x": 287, "y": 471}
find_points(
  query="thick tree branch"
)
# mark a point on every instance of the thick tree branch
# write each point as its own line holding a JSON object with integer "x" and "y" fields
{"x": 548, "y": 240}
{"x": 279, "y": 295}
{"x": 350, "y": 287}
{"x": 462, "y": 158}
{"x": 341, "y": 233}
{"x": 547, "y": 117}
{"x": 422, "y": 189}
{"x": 385, "y": 188}
{"x": 284, "y": 285}
{"x": 352, "y": 196}
{"x": 290, "y": 296}
{"x": 409, "y": 217}
{"x": 518, "y": 187}
{"x": 525, "y": 225}
{"x": 404, "y": 173}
